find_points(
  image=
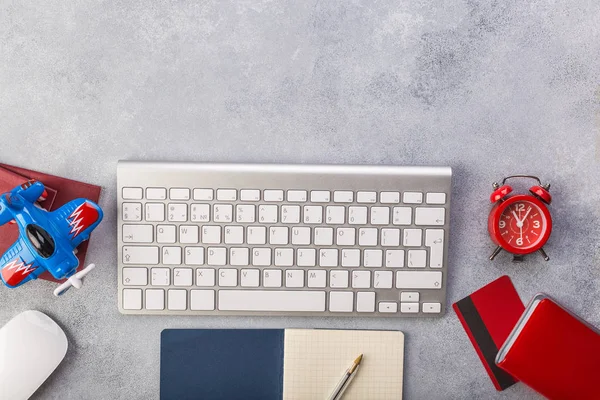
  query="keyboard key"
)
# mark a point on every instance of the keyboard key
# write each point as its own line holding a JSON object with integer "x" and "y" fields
{"x": 350, "y": 257}
{"x": 297, "y": 196}
{"x": 132, "y": 299}
{"x": 166, "y": 234}
{"x": 373, "y": 258}
{"x": 278, "y": 235}
{"x": 418, "y": 280}
{"x": 323, "y": 236}
{"x": 156, "y": 194}
{"x": 216, "y": 256}
{"x": 317, "y": 278}
{"x": 388, "y": 307}
{"x": 301, "y": 235}
{"x": 177, "y": 299}
{"x": 294, "y": 278}
{"x": 412, "y": 237}
{"x": 226, "y": 194}
{"x": 390, "y": 237}
{"x": 161, "y": 276}
{"x": 430, "y": 216}
{"x": 132, "y": 212}
{"x": 205, "y": 277}
{"x": 411, "y": 297}
{"x": 345, "y": 236}
{"x": 343, "y": 196}
{"x": 383, "y": 279}
{"x": 434, "y": 238}
{"x": 250, "y": 195}
{"x": 132, "y": 193}
{"x": 338, "y": 279}
{"x": 412, "y": 198}
{"x": 361, "y": 279}
{"x": 365, "y": 302}
{"x": 211, "y": 234}
{"x": 402, "y": 216}
{"x": 135, "y": 276}
{"x": 245, "y": 213}
{"x": 177, "y": 212}
{"x": 189, "y": 234}
{"x": 328, "y": 257}
{"x": 234, "y": 235}
{"x": 200, "y": 212}
{"x": 171, "y": 255}
{"x": 261, "y": 300}
{"x": 320, "y": 196}
{"x": 223, "y": 213}
{"x": 239, "y": 256}
{"x": 341, "y": 301}
{"x": 390, "y": 197}
{"x": 256, "y": 235}
{"x": 203, "y": 194}
{"x": 272, "y": 278}
{"x": 409, "y": 307}
{"x": 366, "y": 197}
{"x": 194, "y": 255}
{"x": 143, "y": 255}
{"x": 273, "y": 195}
{"x": 432, "y": 308}
{"x": 202, "y": 300}
{"x": 290, "y": 214}
{"x": 335, "y": 215}
{"x": 267, "y": 214}
{"x": 138, "y": 233}
{"x": 227, "y": 277}
{"x": 357, "y": 215}
{"x": 436, "y": 198}
{"x": 417, "y": 258}
{"x": 367, "y": 236}
{"x": 313, "y": 214}
{"x": 261, "y": 257}
{"x": 394, "y": 258}
{"x": 306, "y": 257}
{"x": 155, "y": 299}
{"x": 284, "y": 257}
{"x": 183, "y": 277}
{"x": 249, "y": 277}
{"x": 155, "y": 212}
{"x": 380, "y": 215}
{"x": 179, "y": 194}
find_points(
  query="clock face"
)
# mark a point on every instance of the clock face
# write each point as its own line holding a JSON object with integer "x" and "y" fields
{"x": 522, "y": 225}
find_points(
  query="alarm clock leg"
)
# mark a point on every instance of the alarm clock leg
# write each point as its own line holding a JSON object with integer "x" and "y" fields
{"x": 543, "y": 253}
{"x": 496, "y": 252}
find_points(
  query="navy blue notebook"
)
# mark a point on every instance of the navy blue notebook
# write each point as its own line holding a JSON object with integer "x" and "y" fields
{"x": 225, "y": 364}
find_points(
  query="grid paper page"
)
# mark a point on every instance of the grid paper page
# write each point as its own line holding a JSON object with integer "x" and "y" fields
{"x": 315, "y": 361}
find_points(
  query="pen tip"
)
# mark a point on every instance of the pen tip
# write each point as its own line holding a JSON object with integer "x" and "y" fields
{"x": 358, "y": 359}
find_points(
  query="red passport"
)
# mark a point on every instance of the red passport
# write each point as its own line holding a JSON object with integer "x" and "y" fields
{"x": 553, "y": 352}
{"x": 60, "y": 191}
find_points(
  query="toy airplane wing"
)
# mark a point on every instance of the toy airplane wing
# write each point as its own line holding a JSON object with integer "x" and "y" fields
{"x": 77, "y": 219}
{"x": 18, "y": 265}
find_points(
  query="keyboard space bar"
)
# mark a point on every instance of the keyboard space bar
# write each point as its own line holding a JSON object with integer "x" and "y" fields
{"x": 271, "y": 300}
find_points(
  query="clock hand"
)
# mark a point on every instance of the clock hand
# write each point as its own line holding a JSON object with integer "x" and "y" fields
{"x": 516, "y": 217}
{"x": 526, "y": 214}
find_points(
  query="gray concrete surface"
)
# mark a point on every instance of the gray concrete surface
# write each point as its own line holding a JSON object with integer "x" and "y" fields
{"x": 487, "y": 87}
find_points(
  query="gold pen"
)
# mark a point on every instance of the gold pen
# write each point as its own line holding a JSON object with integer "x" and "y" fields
{"x": 343, "y": 384}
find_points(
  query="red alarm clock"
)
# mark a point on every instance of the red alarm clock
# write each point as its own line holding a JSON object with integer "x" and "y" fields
{"x": 520, "y": 224}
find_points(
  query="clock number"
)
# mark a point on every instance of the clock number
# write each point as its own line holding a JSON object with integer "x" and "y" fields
{"x": 502, "y": 224}
{"x": 536, "y": 224}
{"x": 520, "y": 242}
{"x": 520, "y": 207}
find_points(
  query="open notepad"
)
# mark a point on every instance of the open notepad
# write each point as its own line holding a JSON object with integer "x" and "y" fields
{"x": 315, "y": 360}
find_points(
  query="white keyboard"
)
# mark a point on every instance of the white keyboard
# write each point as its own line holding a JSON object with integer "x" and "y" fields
{"x": 305, "y": 240}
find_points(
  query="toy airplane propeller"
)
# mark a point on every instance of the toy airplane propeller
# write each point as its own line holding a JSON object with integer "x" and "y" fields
{"x": 47, "y": 240}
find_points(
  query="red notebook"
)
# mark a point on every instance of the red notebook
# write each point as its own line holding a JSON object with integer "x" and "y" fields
{"x": 553, "y": 352}
{"x": 60, "y": 191}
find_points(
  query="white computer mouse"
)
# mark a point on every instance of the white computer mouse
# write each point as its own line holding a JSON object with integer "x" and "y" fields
{"x": 31, "y": 347}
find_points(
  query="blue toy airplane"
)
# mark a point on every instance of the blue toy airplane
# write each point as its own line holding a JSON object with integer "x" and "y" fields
{"x": 48, "y": 240}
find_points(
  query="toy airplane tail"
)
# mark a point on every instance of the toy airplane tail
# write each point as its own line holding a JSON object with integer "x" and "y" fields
{"x": 75, "y": 281}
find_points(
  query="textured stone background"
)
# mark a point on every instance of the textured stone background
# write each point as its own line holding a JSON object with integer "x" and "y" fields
{"x": 487, "y": 87}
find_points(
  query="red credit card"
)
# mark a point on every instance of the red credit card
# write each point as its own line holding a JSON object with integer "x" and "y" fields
{"x": 488, "y": 316}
